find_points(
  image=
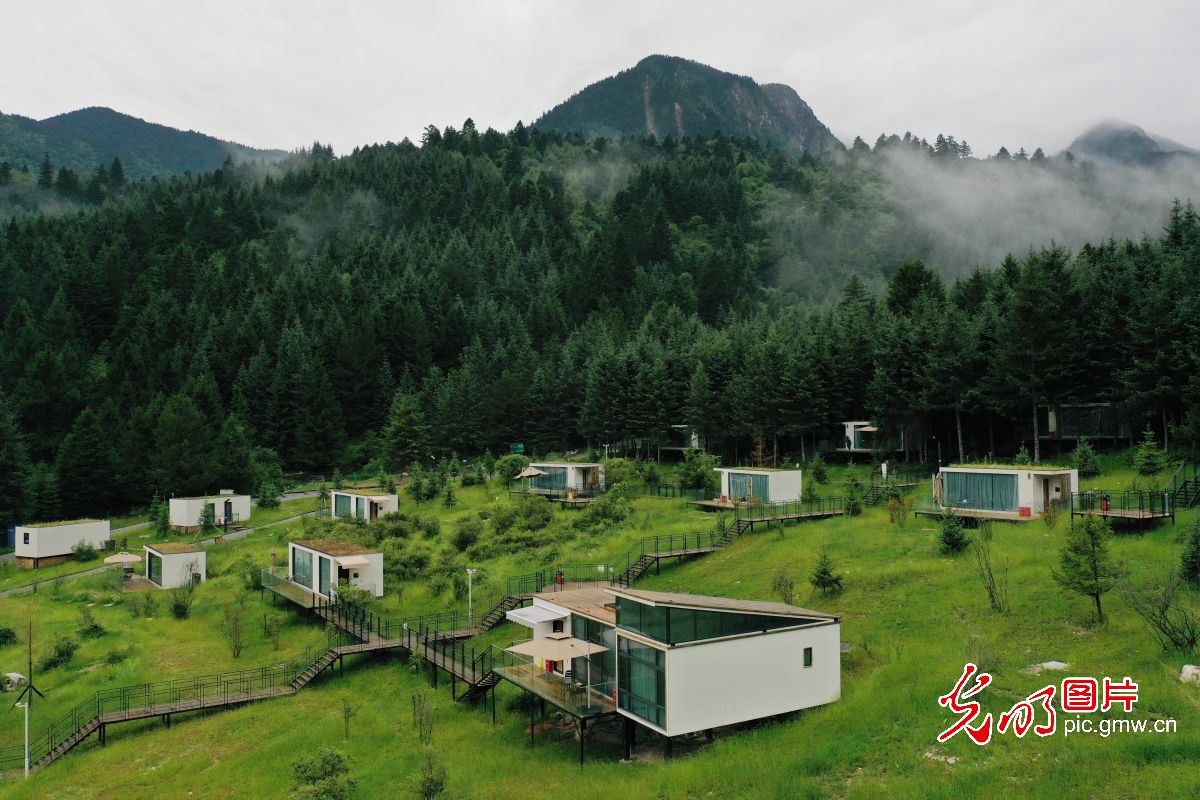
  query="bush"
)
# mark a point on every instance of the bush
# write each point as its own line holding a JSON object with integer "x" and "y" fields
{"x": 1189, "y": 568}
{"x": 696, "y": 470}
{"x": 64, "y": 648}
{"x": 619, "y": 470}
{"x": 84, "y": 551}
{"x": 89, "y": 628}
{"x": 605, "y": 511}
{"x": 322, "y": 776}
{"x": 853, "y": 493}
{"x": 510, "y": 466}
{"x": 180, "y": 599}
{"x": 7, "y": 636}
{"x": 1022, "y": 458}
{"x": 1084, "y": 459}
{"x": 467, "y": 532}
{"x": 114, "y": 657}
{"x": 817, "y": 470}
{"x": 952, "y": 538}
{"x": 784, "y": 586}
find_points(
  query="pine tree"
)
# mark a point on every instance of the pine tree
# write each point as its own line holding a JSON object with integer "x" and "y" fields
{"x": 1148, "y": 459}
{"x": 183, "y": 448}
{"x": 46, "y": 174}
{"x": 15, "y": 468}
{"x": 42, "y": 504}
{"x": 403, "y": 439}
{"x": 1086, "y": 567}
{"x": 823, "y": 576}
{"x": 1084, "y": 459}
{"x": 86, "y": 468}
{"x": 952, "y": 539}
{"x": 232, "y": 467}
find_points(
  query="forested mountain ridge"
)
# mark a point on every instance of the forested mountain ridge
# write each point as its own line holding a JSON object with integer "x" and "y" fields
{"x": 486, "y": 288}
{"x": 1116, "y": 142}
{"x": 79, "y": 140}
{"x": 665, "y": 96}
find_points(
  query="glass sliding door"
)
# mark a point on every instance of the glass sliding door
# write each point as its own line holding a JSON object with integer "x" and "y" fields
{"x": 323, "y": 575}
{"x": 642, "y": 683}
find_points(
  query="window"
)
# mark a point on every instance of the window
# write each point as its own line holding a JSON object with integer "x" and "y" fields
{"x": 341, "y": 505}
{"x": 679, "y": 625}
{"x": 323, "y": 575}
{"x": 603, "y": 664}
{"x": 302, "y": 567}
{"x": 642, "y": 684}
{"x": 808, "y": 656}
{"x": 358, "y": 507}
{"x": 980, "y": 490}
{"x": 154, "y": 568}
{"x": 555, "y": 478}
{"x": 25, "y": 536}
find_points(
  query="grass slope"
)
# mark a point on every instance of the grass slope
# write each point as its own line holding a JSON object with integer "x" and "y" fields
{"x": 911, "y": 615}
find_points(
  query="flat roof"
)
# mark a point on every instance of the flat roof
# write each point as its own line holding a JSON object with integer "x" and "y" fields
{"x": 757, "y": 469}
{"x": 562, "y": 464}
{"x": 593, "y": 603}
{"x": 211, "y": 497}
{"x": 1008, "y": 467}
{"x": 718, "y": 603}
{"x": 173, "y": 548}
{"x": 334, "y": 547}
{"x": 60, "y": 523}
{"x": 364, "y": 493}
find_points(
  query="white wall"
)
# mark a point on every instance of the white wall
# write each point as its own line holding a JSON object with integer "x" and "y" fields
{"x": 737, "y": 680}
{"x": 387, "y": 505}
{"x": 1029, "y": 484}
{"x": 177, "y": 567}
{"x": 785, "y": 486}
{"x": 185, "y": 511}
{"x": 369, "y": 576}
{"x": 57, "y": 540}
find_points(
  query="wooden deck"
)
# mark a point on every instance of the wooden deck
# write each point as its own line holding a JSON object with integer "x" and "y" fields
{"x": 976, "y": 513}
{"x": 1126, "y": 513}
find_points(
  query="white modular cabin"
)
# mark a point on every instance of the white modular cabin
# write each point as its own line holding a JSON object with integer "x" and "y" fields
{"x": 567, "y": 476}
{"x": 680, "y": 663}
{"x": 863, "y": 436}
{"x": 172, "y": 564}
{"x": 1003, "y": 492}
{"x": 1075, "y": 421}
{"x": 51, "y": 542}
{"x": 362, "y": 505}
{"x": 321, "y": 565}
{"x": 764, "y": 485}
{"x": 228, "y": 509}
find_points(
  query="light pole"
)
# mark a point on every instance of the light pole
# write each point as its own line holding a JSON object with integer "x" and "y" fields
{"x": 25, "y": 705}
{"x": 470, "y": 615}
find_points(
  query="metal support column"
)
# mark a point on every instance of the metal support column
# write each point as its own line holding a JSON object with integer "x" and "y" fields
{"x": 582, "y": 733}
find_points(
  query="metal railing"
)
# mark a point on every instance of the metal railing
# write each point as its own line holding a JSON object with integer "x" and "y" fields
{"x": 1133, "y": 503}
{"x": 166, "y": 697}
{"x": 569, "y": 693}
{"x": 551, "y": 578}
{"x": 789, "y": 509}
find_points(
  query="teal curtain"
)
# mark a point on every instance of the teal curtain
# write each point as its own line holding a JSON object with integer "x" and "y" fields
{"x": 985, "y": 491}
{"x": 743, "y": 485}
{"x": 341, "y": 505}
{"x": 556, "y": 478}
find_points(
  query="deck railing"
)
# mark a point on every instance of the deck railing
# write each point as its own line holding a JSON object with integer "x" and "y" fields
{"x": 789, "y": 509}
{"x": 1147, "y": 504}
{"x": 163, "y": 697}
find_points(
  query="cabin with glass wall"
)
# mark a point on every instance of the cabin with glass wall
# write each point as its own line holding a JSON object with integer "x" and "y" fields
{"x": 1002, "y": 492}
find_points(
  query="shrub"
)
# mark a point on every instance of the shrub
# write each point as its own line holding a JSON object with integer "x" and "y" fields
{"x": 619, "y": 470}
{"x": 180, "y": 599}
{"x": 467, "y": 532}
{"x": 322, "y": 776}
{"x": 269, "y": 495}
{"x": 7, "y": 636}
{"x": 88, "y": 627}
{"x": 431, "y": 781}
{"x": 84, "y": 551}
{"x": 650, "y": 475}
{"x": 810, "y": 492}
{"x": 64, "y": 648}
{"x": 605, "y": 511}
{"x": 696, "y": 470}
{"x": 1022, "y": 458}
{"x": 508, "y": 467}
{"x": 853, "y": 493}
{"x": 1084, "y": 459}
{"x": 784, "y": 586}
{"x": 114, "y": 657}
{"x": 1189, "y": 567}
{"x": 817, "y": 469}
{"x": 952, "y": 538}
{"x": 1160, "y": 605}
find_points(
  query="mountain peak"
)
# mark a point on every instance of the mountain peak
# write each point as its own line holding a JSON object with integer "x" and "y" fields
{"x": 665, "y": 95}
{"x": 1115, "y": 141}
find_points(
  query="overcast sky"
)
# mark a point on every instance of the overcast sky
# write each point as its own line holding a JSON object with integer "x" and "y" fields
{"x": 282, "y": 74}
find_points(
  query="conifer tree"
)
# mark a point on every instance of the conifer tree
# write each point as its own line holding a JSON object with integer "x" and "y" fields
{"x": 403, "y": 439}
{"x": 15, "y": 467}
{"x": 86, "y": 469}
{"x": 1085, "y": 565}
{"x": 1189, "y": 567}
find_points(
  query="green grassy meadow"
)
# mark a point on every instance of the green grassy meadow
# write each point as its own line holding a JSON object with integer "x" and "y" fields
{"x": 911, "y": 616}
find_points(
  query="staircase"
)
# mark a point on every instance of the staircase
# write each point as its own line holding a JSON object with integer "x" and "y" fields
{"x": 72, "y": 740}
{"x": 480, "y": 688}
{"x": 314, "y": 669}
{"x": 1185, "y": 485}
{"x": 495, "y": 614}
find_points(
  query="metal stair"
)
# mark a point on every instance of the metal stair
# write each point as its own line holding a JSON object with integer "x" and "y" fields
{"x": 495, "y": 614}
{"x": 314, "y": 669}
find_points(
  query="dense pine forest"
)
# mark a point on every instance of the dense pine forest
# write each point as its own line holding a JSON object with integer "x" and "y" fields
{"x": 483, "y": 288}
